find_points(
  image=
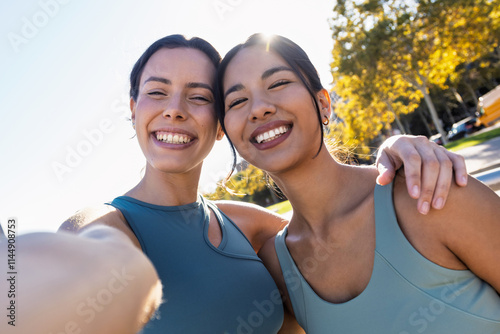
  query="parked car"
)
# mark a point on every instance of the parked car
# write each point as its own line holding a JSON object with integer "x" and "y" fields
{"x": 437, "y": 139}
{"x": 464, "y": 127}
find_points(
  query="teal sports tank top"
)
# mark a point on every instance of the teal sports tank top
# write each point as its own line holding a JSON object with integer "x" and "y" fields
{"x": 206, "y": 289}
{"x": 406, "y": 293}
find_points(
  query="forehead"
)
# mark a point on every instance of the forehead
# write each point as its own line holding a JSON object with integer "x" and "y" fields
{"x": 180, "y": 64}
{"x": 251, "y": 62}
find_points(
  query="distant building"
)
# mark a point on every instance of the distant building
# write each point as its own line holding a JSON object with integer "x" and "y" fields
{"x": 2, "y": 234}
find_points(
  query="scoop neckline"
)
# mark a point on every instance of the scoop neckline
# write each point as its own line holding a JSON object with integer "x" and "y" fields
{"x": 193, "y": 205}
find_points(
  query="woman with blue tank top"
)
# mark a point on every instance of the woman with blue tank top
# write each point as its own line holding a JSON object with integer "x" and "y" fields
{"x": 356, "y": 257}
{"x": 204, "y": 253}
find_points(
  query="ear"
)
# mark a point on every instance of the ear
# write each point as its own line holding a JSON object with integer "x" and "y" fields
{"x": 220, "y": 132}
{"x": 324, "y": 102}
{"x": 132, "y": 109}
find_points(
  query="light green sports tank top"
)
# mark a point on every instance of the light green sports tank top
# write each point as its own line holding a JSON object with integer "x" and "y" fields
{"x": 406, "y": 294}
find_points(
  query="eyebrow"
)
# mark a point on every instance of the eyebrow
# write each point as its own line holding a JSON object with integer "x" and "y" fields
{"x": 264, "y": 76}
{"x": 188, "y": 85}
{"x": 273, "y": 70}
{"x": 162, "y": 80}
{"x": 199, "y": 85}
{"x": 233, "y": 89}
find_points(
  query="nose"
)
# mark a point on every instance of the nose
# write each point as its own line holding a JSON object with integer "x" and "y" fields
{"x": 262, "y": 108}
{"x": 174, "y": 108}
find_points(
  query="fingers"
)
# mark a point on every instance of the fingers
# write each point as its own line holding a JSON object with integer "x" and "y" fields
{"x": 439, "y": 188}
{"x": 459, "y": 167}
{"x": 428, "y": 169}
{"x": 412, "y": 162}
{"x": 386, "y": 168}
{"x": 437, "y": 174}
{"x": 398, "y": 151}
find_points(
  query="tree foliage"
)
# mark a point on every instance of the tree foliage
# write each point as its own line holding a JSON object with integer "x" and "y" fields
{"x": 388, "y": 54}
{"x": 248, "y": 185}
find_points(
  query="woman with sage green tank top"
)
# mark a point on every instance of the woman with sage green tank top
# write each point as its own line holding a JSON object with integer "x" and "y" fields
{"x": 205, "y": 253}
{"x": 356, "y": 257}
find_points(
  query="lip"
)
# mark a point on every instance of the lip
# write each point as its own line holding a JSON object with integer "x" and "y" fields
{"x": 173, "y": 131}
{"x": 267, "y": 127}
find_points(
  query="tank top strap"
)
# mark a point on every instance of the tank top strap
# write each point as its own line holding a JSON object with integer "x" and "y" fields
{"x": 293, "y": 279}
{"x": 235, "y": 242}
{"x": 206, "y": 203}
{"x": 209, "y": 205}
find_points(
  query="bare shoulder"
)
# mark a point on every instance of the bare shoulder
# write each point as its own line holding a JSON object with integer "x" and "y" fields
{"x": 98, "y": 215}
{"x": 426, "y": 233}
{"x": 268, "y": 255}
{"x": 243, "y": 208}
{"x": 363, "y": 176}
{"x": 473, "y": 200}
{"x": 104, "y": 214}
{"x": 257, "y": 223}
{"x": 462, "y": 235}
{"x": 464, "y": 206}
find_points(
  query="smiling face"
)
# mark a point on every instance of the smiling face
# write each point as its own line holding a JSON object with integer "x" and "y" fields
{"x": 174, "y": 112}
{"x": 270, "y": 116}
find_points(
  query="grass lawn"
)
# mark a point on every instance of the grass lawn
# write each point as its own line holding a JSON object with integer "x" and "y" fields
{"x": 472, "y": 140}
{"x": 282, "y": 207}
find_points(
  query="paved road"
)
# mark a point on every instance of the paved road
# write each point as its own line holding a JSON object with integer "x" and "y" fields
{"x": 482, "y": 157}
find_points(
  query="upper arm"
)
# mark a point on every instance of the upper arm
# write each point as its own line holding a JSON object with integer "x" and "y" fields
{"x": 258, "y": 224}
{"x": 99, "y": 215}
{"x": 474, "y": 232}
{"x": 464, "y": 234}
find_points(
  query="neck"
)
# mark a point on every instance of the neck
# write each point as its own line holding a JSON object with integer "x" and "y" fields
{"x": 167, "y": 189}
{"x": 315, "y": 190}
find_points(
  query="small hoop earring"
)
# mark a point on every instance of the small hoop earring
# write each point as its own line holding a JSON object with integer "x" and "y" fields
{"x": 326, "y": 121}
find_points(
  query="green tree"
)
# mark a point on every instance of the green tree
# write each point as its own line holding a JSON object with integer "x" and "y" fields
{"x": 248, "y": 185}
{"x": 399, "y": 49}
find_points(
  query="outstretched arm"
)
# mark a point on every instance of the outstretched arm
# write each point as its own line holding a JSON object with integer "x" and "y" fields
{"x": 428, "y": 168}
{"x": 94, "y": 282}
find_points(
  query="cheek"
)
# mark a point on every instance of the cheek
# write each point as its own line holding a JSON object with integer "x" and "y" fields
{"x": 144, "y": 110}
{"x": 204, "y": 122}
{"x": 232, "y": 126}
{"x": 208, "y": 119}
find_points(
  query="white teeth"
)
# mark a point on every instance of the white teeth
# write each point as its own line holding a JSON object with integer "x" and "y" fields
{"x": 173, "y": 138}
{"x": 271, "y": 135}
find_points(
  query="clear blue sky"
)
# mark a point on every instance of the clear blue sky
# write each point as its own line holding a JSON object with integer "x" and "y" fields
{"x": 64, "y": 65}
